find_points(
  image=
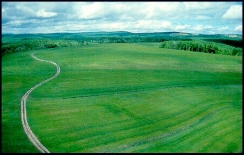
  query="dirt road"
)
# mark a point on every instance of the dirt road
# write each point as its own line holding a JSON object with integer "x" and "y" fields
{"x": 25, "y": 124}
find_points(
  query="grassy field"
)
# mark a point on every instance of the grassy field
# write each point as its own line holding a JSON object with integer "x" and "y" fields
{"x": 124, "y": 98}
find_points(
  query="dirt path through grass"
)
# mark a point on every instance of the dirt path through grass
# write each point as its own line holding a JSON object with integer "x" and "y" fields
{"x": 25, "y": 124}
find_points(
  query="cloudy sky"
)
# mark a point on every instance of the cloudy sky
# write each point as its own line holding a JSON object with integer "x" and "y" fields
{"x": 192, "y": 17}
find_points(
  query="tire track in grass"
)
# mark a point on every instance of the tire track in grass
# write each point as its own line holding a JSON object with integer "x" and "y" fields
{"x": 169, "y": 134}
{"x": 32, "y": 137}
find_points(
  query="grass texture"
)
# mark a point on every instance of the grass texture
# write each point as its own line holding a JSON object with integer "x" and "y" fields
{"x": 124, "y": 98}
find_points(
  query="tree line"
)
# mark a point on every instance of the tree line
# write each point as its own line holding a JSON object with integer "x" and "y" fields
{"x": 201, "y": 46}
{"x": 24, "y": 43}
{"x": 31, "y": 44}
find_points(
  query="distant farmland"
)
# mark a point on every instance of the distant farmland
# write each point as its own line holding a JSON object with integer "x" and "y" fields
{"x": 124, "y": 97}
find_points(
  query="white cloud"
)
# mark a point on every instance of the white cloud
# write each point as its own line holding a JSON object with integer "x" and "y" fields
{"x": 234, "y": 12}
{"x": 104, "y": 10}
{"x": 45, "y": 14}
{"x": 238, "y": 28}
{"x": 154, "y": 25}
{"x": 122, "y": 16}
{"x": 165, "y": 24}
{"x": 92, "y": 11}
{"x": 223, "y": 28}
{"x": 208, "y": 27}
{"x": 167, "y": 6}
{"x": 181, "y": 27}
{"x": 202, "y": 17}
{"x": 114, "y": 26}
{"x": 162, "y": 10}
{"x": 198, "y": 5}
{"x": 17, "y": 22}
{"x": 24, "y": 9}
{"x": 201, "y": 27}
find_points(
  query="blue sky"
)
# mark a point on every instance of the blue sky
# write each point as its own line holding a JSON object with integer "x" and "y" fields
{"x": 192, "y": 17}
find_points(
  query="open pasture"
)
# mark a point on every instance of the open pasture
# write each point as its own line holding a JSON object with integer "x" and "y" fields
{"x": 124, "y": 98}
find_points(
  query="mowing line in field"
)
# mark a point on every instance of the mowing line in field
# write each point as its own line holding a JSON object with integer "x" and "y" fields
{"x": 25, "y": 124}
{"x": 136, "y": 90}
{"x": 172, "y": 133}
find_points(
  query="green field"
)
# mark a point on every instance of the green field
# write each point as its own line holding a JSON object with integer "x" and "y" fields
{"x": 124, "y": 98}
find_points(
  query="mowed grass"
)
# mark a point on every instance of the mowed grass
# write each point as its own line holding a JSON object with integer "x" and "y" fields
{"x": 128, "y": 98}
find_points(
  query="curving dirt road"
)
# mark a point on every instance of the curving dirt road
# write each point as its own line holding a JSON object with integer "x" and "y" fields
{"x": 25, "y": 124}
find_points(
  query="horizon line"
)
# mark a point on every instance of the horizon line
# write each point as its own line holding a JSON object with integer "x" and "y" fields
{"x": 70, "y": 32}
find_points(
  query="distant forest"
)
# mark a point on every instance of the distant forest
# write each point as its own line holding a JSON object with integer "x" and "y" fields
{"x": 217, "y": 44}
{"x": 226, "y": 47}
